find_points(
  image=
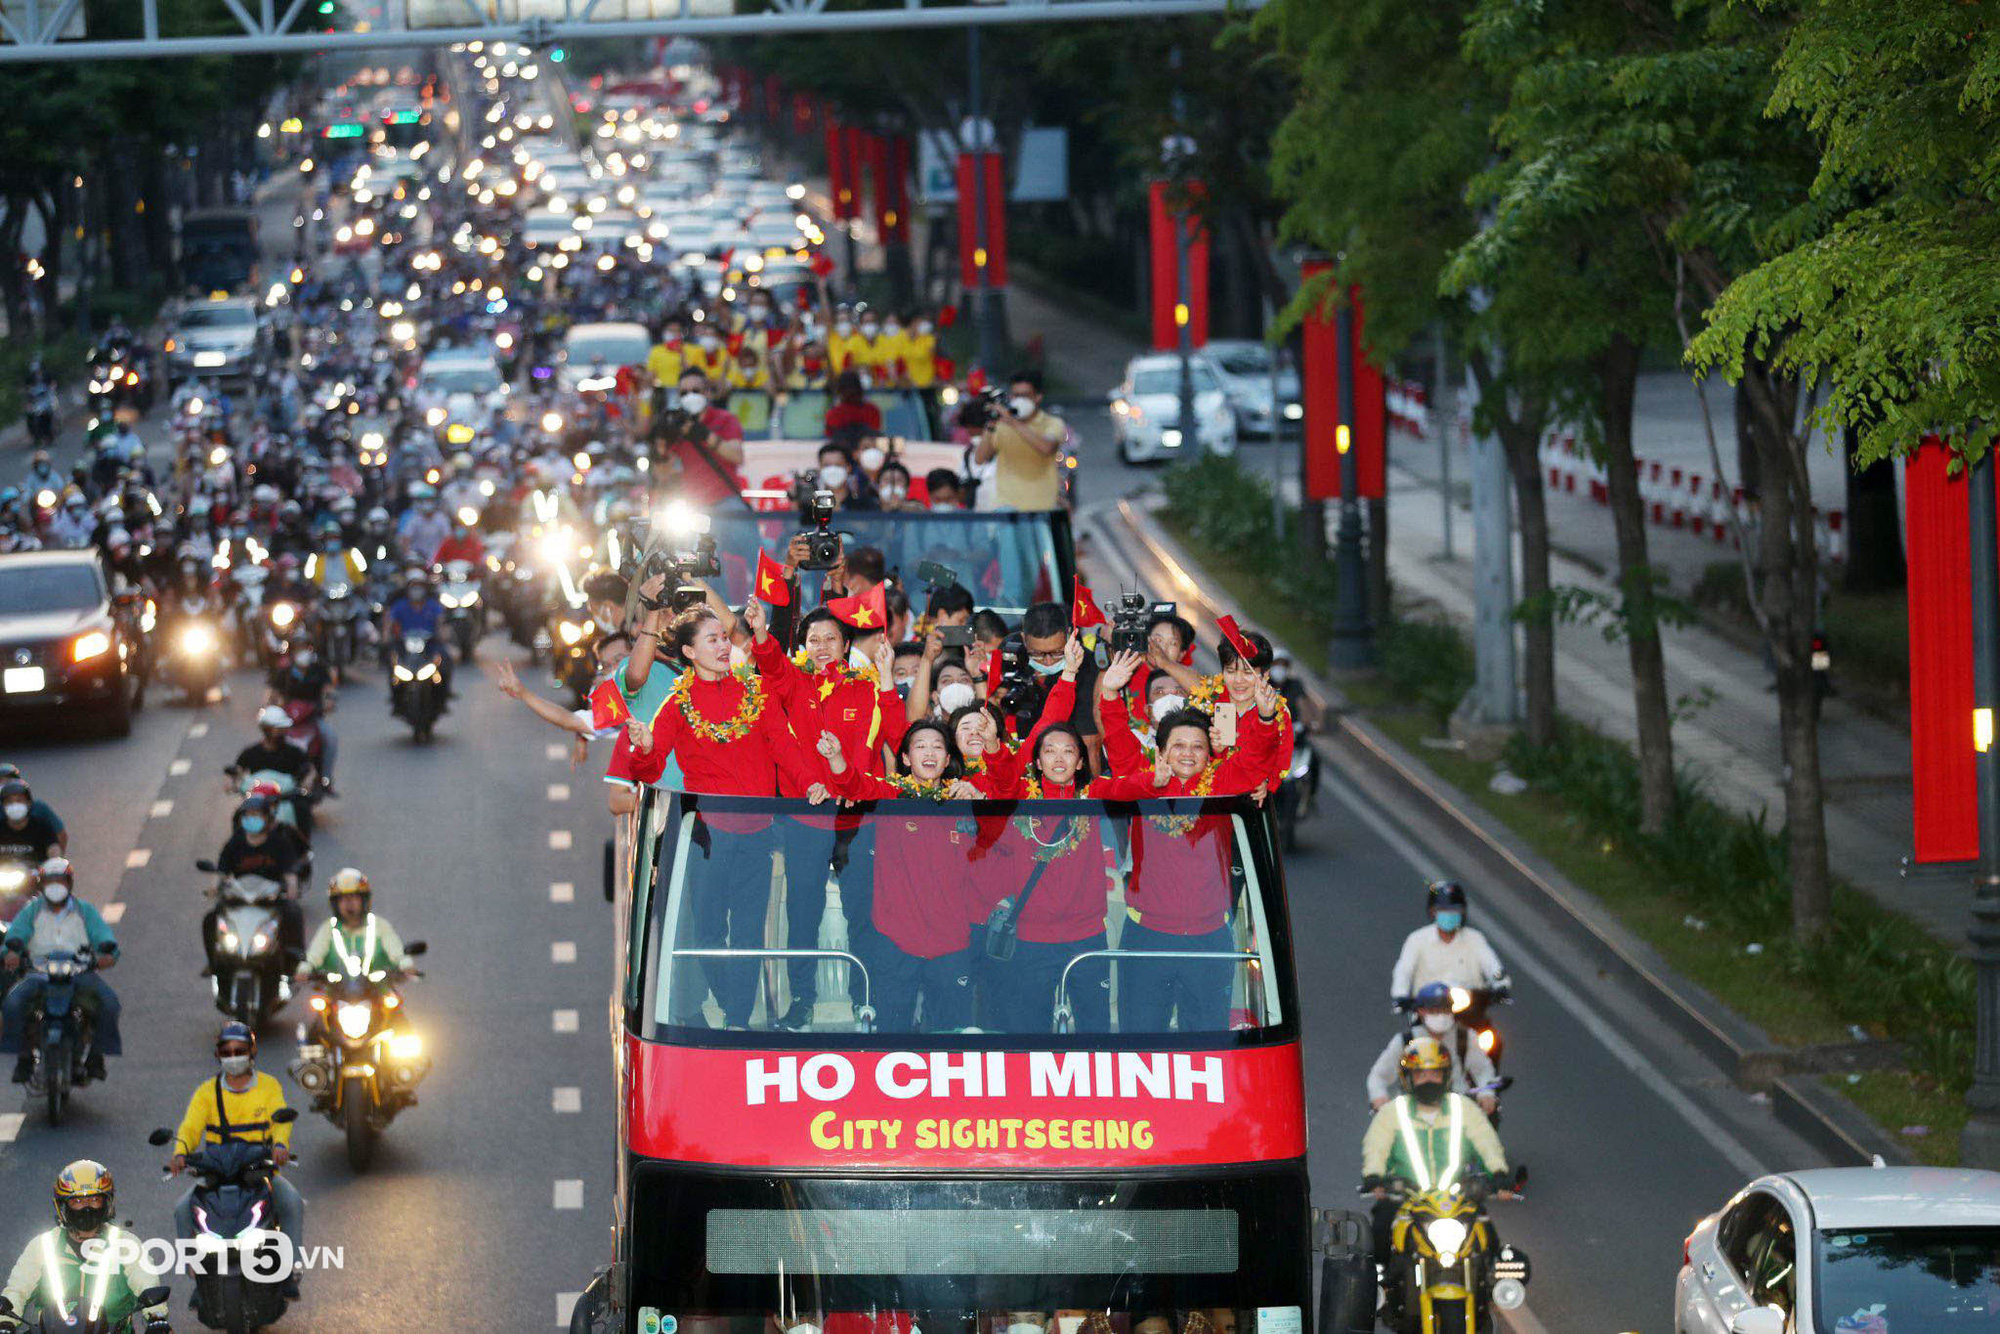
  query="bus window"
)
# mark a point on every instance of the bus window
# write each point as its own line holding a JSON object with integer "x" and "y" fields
{"x": 914, "y": 917}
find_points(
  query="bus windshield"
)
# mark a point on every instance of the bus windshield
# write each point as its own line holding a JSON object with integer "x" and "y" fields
{"x": 1008, "y": 560}
{"x": 1157, "y": 920}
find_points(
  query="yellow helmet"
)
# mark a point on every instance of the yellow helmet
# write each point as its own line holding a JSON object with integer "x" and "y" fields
{"x": 1422, "y": 1055}
{"x": 83, "y": 1195}
{"x": 347, "y": 880}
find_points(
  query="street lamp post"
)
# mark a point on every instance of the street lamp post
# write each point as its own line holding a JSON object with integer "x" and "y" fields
{"x": 1353, "y": 645}
{"x": 1979, "y": 1143}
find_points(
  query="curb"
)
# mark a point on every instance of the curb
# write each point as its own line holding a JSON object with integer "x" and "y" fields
{"x": 1831, "y": 1124}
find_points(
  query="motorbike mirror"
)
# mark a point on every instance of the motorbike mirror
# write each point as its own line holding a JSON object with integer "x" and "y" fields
{"x": 153, "y": 1296}
{"x": 207, "y": 864}
{"x": 284, "y": 1116}
{"x": 160, "y": 1136}
{"x": 1520, "y": 1176}
{"x": 416, "y": 947}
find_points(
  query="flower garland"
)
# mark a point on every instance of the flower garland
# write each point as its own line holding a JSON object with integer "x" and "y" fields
{"x": 739, "y": 726}
{"x": 841, "y": 673}
{"x": 1179, "y": 825}
{"x": 1079, "y": 826}
{"x": 935, "y": 790}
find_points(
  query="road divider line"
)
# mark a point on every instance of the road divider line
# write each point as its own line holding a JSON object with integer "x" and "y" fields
{"x": 559, "y": 840}
{"x": 565, "y": 1304}
{"x": 198, "y": 730}
{"x": 179, "y": 767}
{"x": 569, "y": 1195}
{"x": 161, "y": 809}
{"x": 114, "y": 913}
{"x": 558, "y": 791}
{"x": 568, "y": 1100}
{"x": 562, "y": 951}
{"x": 557, "y": 751}
{"x": 10, "y": 1125}
{"x": 562, "y": 891}
{"x": 137, "y": 858}
{"x": 564, "y": 1021}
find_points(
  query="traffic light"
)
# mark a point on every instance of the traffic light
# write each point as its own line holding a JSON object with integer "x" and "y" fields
{"x": 558, "y": 55}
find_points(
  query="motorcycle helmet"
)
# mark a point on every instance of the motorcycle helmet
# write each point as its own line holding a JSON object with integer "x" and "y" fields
{"x": 84, "y": 1196}
{"x": 14, "y": 793}
{"x": 259, "y": 805}
{"x": 1444, "y": 894}
{"x": 234, "y": 1036}
{"x": 271, "y": 715}
{"x": 56, "y": 879}
{"x": 1426, "y": 1068}
{"x": 264, "y": 494}
{"x": 346, "y": 882}
{"x": 9, "y": 769}
{"x": 378, "y": 517}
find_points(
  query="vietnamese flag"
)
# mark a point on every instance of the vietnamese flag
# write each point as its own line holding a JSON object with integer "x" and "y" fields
{"x": 1084, "y": 611}
{"x": 868, "y": 612}
{"x": 1230, "y": 632}
{"x": 607, "y": 706}
{"x": 772, "y": 585}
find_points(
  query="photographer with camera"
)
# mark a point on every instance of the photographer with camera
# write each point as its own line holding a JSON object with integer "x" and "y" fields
{"x": 699, "y": 444}
{"x": 840, "y": 473}
{"x": 1032, "y": 663}
{"x": 1025, "y": 443}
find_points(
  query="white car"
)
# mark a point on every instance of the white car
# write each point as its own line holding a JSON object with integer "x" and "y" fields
{"x": 593, "y": 353}
{"x": 1146, "y": 411}
{"x": 460, "y": 387}
{"x": 1859, "y": 1250}
{"x": 1245, "y": 367}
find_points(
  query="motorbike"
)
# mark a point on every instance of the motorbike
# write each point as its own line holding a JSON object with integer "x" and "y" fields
{"x": 17, "y": 886}
{"x": 1472, "y": 1007}
{"x": 464, "y": 609}
{"x": 305, "y": 734}
{"x": 56, "y": 1318}
{"x": 41, "y": 415}
{"x": 193, "y": 656}
{"x": 360, "y": 1065}
{"x": 119, "y": 378}
{"x": 1447, "y": 1270}
{"x": 275, "y": 631}
{"x": 232, "y": 1199}
{"x": 571, "y": 636}
{"x": 60, "y": 1031}
{"x": 1298, "y": 792}
{"x": 416, "y": 686}
{"x": 250, "y": 981}
{"x": 343, "y": 613}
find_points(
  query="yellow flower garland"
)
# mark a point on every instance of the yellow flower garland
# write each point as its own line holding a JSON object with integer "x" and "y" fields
{"x": 747, "y": 713}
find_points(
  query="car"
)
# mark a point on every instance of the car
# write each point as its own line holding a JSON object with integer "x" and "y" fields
{"x": 593, "y": 353}
{"x": 65, "y": 643}
{"x": 1875, "y": 1250}
{"x": 214, "y": 340}
{"x": 1146, "y": 410}
{"x": 1244, "y": 365}
{"x": 465, "y": 386}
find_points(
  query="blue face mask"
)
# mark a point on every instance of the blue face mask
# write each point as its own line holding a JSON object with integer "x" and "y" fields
{"x": 1450, "y": 921}
{"x": 1046, "y": 668}
{"x": 253, "y": 824}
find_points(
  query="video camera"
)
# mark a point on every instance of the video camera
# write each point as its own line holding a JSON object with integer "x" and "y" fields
{"x": 1017, "y": 676}
{"x": 1129, "y": 619}
{"x": 680, "y": 547}
{"x": 816, "y": 507}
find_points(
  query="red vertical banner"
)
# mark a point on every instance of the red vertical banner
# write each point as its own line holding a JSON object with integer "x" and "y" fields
{"x": 1165, "y": 225}
{"x": 993, "y": 256}
{"x": 1369, "y": 414}
{"x": 1944, "y": 775}
{"x": 996, "y": 221}
{"x": 857, "y": 167}
{"x": 839, "y": 172}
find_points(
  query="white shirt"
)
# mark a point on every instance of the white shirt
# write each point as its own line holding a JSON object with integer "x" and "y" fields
{"x": 57, "y": 933}
{"x": 1475, "y": 1071}
{"x": 1466, "y": 960}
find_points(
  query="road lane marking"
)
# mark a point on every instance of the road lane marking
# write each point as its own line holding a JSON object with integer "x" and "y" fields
{"x": 179, "y": 767}
{"x": 562, "y": 891}
{"x": 562, "y": 951}
{"x": 198, "y": 731}
{"x": 559, "y": 840}
{"x": 114, "y": 913}
{"x": 568, "y": 1100}
{"x": 137, "y": 858}
{"x": 161, "y": 809}
{"x": 564, "y": 1021}
{"x": 1622, "y": 1051}
{"x": 566, "y": 1303}
{"x": 1522, "y": 1321}
{"x": 569, "y": 1195}
{"x": 558, "y": 791}
{"x": 557, "y": 751}
{"x": 10, "y": 1126}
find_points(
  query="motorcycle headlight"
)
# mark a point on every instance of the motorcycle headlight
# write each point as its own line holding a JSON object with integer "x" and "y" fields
{"x": 570, "y": 632}
{"x": 1447, "y": 1237}
{"x": 404, "y": 674}
{"x": 427, "y": 672}
{"x": 406, "y": 1047}
{"x": 355, "y": 1020}
{"x": 283, "y": 615}
{"x": 197, "y": 639}
{"x": 12, "y": 878}
{"x": 448, "y": 601}
{"x": 228, "y": 939}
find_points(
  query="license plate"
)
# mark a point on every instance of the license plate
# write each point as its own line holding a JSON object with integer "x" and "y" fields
{"x": 22, "y": 680}
{"x": 211, "y": 359}
{"x": 1822, "y": 661}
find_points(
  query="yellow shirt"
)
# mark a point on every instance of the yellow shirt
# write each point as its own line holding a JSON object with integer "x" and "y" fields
{"x": 844, "y": 350}
{"x": 247, "y": 1115}
{"x": 1026, "y": 478}
{"x": 755, "y": 376}
{"x": 890, "y": 351}
{"x": 920, "y": 358}
{"x": 699, "y": 358}
{"x": 665, "y": 363}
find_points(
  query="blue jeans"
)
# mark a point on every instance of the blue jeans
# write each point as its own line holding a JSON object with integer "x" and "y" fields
{"x": 1149, "y": 990}
{"x": 93, "y": 998}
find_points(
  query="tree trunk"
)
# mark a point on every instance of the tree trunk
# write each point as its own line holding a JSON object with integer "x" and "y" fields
{"x": 1749, "y": 475}
{"x": 1380, "y": 610}
{"x": 1874, "y": 534}
{"x": 1520, "y": 438}
{"x": 1618, "y": 368}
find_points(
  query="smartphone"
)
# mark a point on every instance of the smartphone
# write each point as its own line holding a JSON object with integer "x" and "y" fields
{"x": 1225, "y": 723}
{"x": 955, "y": 636}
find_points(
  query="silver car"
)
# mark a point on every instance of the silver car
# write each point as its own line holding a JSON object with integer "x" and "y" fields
{"x": 1858, "y": 1250}
{"x": 214, "y": 340}
{"x": 1244, "y": 364}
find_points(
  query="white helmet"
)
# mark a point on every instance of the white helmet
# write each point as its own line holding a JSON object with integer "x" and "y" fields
{"x": 273, "y": 716}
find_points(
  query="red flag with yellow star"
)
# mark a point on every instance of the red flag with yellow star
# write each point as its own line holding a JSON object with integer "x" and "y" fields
{"x": 607, "y": 706}
{"x": 772, "y": 586}
{"x": 869, "y": 611}
{"x": 1084, "y": 611}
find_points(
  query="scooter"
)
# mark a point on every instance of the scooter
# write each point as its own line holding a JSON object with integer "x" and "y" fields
{"x": 56, "y": 1316}
{"x": 357, "y": 1060}
{"x": 416, "y": 687}
{"x": 61, "y": 1031}
{"x": 342, "y": 613}
{"x": 464, "y": 609}
{"x": 1298, "y": 792}
{"x": 1472, "y": 1007}
{"x": 232, "y": 1202}
{"x": 250, "y": 981}
{"x": 193, "y": 657}
{"x": 1446, "y": 1270}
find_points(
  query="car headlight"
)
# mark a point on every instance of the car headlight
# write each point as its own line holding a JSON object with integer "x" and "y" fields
{"x": 93, "y": 645}
{"x": 355, "y": 1020}
{"x": 1170, "y": 437}
{"x": 1294, "y": 411}
{"x": 1447, "y": 1238}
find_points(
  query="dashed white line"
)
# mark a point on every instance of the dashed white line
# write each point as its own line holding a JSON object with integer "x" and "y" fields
{"x": 569, "y": 1195}
{"x": 179, "y": 767}
{"x": 562, "y": 891}
{"x": 564, "y": 1021}
{"x": 566, "y": 1303}
{"x": 161, "y": 809}
{"x": 568, "y": 1100}
{"x": 557, "y": 751}
{"x": 198, "y": 730}
{"x": 137, "y": 858}
{"x": 558, "y": 791}
{"x": 562, "y": 951}
{"x": 10, "y": 1126}
{"x": 559, "y": 840}
{"x": 114, "y": 913}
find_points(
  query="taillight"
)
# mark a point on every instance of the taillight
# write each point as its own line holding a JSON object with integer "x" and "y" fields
{"x": 1687, "y": 1251}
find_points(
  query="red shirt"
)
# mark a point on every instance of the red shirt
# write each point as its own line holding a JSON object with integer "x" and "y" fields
{"x": 1069, "y": 900}
{"x": 854, "y": 708}
{"x": 747, "y": 766}
{"x": 460, "y": 546}
{"x": 850, "y": 416}
{"x": 925, "y": 902}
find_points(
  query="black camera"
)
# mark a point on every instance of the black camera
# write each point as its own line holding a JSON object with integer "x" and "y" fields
{"x": 982, "y": 409}
{"x": 935, "y": 574}
{"x": 822, "y": 543}
{"x": 681, "y": 549}
{"x": 1017, "y": 692}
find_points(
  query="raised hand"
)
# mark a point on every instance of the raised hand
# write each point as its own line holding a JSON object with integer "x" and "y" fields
{"x": 757, "y": 620}
{"x": 1072, "y": 656}
{"x": 1119, "y": 674}
{"x": 509, "y": 683}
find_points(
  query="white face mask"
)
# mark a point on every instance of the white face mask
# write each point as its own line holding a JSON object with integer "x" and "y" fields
{"x": 1165, "y": 705}
{"x": 1022, "y": 405}
{"x": 17, "y": 810}
{"x": 956, "y": 696}
{"x": 870, "y": 330}
{"x": 236, "y": 1065}
{"x": 872, "y": 458}
{"x": 923, "y": 326}
{"x": 843, "y": 326}
{"x": 711, "y": 342}
{"x": 56, "y": 892}
{"x": 892, "y": 327}
{"x": 1439, "y": 1024}
{"x": 693, "y": 402}
{"x": 833, "y": 476}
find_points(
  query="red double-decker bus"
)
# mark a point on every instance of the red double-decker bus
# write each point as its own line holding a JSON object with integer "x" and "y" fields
{"x": 957, "y": 1068}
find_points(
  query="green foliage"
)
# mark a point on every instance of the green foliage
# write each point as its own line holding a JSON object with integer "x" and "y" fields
{"x": 1616, "y": 617}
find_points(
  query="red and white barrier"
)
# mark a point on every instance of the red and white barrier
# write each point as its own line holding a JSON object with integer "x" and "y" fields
{"x": 1409, "y": 408}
